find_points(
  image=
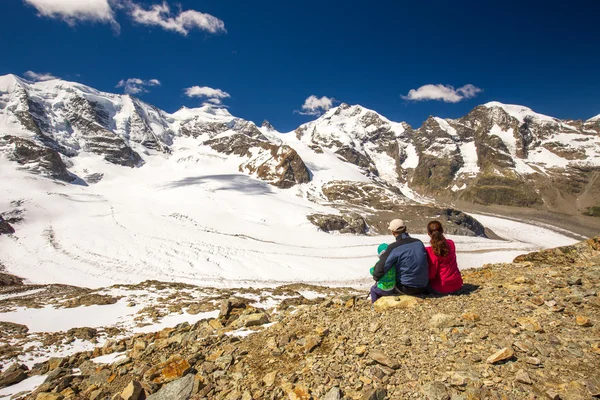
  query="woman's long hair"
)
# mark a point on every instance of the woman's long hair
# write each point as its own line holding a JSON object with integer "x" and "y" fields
{"x": 438, "y": 241}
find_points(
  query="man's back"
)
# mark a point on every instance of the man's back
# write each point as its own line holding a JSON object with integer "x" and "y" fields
{"x": 409, "y": 257}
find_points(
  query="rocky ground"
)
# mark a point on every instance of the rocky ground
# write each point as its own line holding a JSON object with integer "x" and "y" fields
{"x": 529, "y": 329}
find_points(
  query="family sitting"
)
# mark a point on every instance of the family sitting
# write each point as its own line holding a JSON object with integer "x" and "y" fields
{"x": 409, "y": 267}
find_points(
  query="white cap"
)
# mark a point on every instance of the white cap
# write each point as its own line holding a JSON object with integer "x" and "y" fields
{"x": 396, "y": 225}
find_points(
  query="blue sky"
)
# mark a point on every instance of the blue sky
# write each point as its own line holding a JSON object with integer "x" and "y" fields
{"x": 264, "y": 59}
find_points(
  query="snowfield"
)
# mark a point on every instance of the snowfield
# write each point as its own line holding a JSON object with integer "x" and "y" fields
{"x": 195, "y": 218}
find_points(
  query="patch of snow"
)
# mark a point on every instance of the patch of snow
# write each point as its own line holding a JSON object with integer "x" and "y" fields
{"x": 311, "y": 295}
{"x": 27, "y": 385}
{"x": 412, "y": 157}
{"x": 446, "y": 127}
{"x": 468, "y": 152}
{"x": 109, "y": 358}
{"x": 173, "y": 320}
{"x": 50, "y": 319}
{"x": 21, "y": 294}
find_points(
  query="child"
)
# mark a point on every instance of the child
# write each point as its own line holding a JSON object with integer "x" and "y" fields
{"x": 385, "y": 286}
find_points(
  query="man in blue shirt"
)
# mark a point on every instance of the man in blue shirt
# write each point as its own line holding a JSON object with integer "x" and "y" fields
{"x": 409, "y": 257}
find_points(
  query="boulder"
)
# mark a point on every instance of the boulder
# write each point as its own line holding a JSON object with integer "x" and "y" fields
{"x": 180, "y": 389}
{"x": 170, "y": 370}
{"x": 132, "y": 391}
{"x": 400, "y": 302}
{"x": 344, "y": 223}
{"x": 14, "y": 374}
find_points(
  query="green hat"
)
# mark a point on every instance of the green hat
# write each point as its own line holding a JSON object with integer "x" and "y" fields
{"x": 382, "y": 247}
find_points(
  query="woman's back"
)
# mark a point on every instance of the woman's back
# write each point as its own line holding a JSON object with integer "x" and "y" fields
{"x": 444, "y": 275}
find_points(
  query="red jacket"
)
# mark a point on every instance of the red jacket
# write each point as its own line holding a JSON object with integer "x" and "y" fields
{"x": 444, "y": 276}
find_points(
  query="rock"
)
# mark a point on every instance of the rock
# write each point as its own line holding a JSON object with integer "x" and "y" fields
{"x": 251, "y": 320}
{"x": 5, "y": 227}
{"x": 521, "y": 279}
{"x": 391, "y": 302}
{"x": 224, "y": 362}
{"x": 574, "y": 281}
{"x": 333, "y": 394}
{"x": 84, "y": 333}
{"x": 344, "y": 223}
{"x": 375, "y": 394}
{"x": 10, "y": 280}
{"x": 311, "y": 343}
{"x": 435, "y": 391}
{"x": 13, "y": 374}
{"x": 441, "y": 321}
{"x": 471, "y": 317}
{"x": 298, "y": 393}
{"x": 583, "y": 321}
{"x": 530, "y": 324}
{"x": 180, "y": 389}
{"x": 360, "y": 350}
{"x": 94, "y": 178}
{"x": 132, "y": 391}
{"x": 384, "y": 360}
{"x": 49, "y": 396}
{"x": 533, "y": 361}
{"x": 523, "y": 377}
{"x": 55, "y": 362}
{"x": 170, "y": 370}
{"x": 501, "y": 355}
{"x": 225, "y": 309}
{"x": 269, "y": 379}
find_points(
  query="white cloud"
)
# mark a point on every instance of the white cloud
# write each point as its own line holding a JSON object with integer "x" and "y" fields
{"x": 314, "y": 105}
{"x": 205, "y": 91}
{"x": 441, "y": 92}
{"x": 36, "y": 76}
{"x": 72, "y": 11}
{"x": 160, "y": 15}
{"x": 136, "y": 85}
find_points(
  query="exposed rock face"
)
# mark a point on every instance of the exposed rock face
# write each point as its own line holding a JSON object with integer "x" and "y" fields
{"x": 10, "y": 280}
{"x": 36, "y": 158}
{"x": 378, "y": 204}
{"x": 5, "y": 227}
{"x": 281, "y": 166}
{"x": 345, "y": 223}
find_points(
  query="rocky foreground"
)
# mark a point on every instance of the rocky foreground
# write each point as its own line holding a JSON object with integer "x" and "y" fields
{"x": 529, "y": 329}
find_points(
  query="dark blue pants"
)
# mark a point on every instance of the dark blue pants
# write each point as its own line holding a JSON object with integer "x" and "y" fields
{"x": 376, "y": 293}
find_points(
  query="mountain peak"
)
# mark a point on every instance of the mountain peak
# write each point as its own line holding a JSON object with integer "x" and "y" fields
{"x": 209, "y": 111}
{"x": 266, "y": 124}
{"x": 517, "y": 111}
{"x": 8, "y": 82}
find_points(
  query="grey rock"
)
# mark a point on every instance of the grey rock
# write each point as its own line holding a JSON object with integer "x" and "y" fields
{"x": 181, "y": 389}
{"x": 333, "y": 394}
{"x": 435, "y": 391}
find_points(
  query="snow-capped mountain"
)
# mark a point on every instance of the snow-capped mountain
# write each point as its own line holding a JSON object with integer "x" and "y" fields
{"x": 104, "y": 188}
{"x": 497, "y": 154}
{"x": 70, "y": 118}
{"x": 509, "y": 155}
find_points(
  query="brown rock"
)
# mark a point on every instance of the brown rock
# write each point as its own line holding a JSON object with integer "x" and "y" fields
{"x": 501, "y": 355}
{"x": 312, "y": 342}
{"x": 391, "y": 302}
{"x": 523, "y": 377}
{"x": 174, "y": 368}
{"x": 583, "y": 321}
{"x": 384, "y": 360}
{"x": 132, "y": 391}
{"x": 530, "y": 324}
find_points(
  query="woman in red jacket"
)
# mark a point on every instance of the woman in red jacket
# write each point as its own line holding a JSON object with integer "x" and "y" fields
{"x": 444, "y": 276}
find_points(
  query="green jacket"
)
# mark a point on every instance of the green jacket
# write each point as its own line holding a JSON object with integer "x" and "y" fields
{"x": 387, "y": 281}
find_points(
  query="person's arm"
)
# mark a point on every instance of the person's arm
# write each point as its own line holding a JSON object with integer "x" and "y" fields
{"x": 380, "y": 267}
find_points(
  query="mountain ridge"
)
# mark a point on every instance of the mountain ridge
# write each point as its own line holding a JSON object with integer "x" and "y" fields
{"x": 498, "y": 154}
